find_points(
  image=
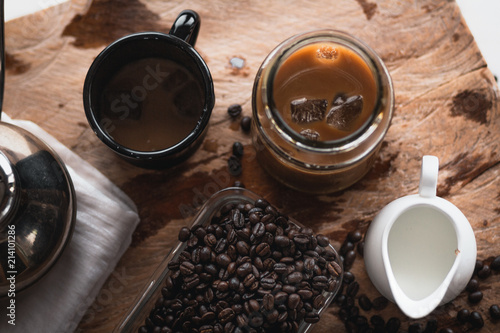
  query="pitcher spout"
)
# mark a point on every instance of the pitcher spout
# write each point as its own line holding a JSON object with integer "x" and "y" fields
{"x": 417, "y": 306}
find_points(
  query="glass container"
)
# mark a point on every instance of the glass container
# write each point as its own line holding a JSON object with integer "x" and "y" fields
{"x": 145, "y": 302}
{"x": 303, "y": 163}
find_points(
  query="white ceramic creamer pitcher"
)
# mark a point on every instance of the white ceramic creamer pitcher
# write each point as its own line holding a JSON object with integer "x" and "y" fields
{"x": 420, "y": 250}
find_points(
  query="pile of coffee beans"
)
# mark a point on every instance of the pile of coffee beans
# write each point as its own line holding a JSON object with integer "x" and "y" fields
{"x": 250, "y": 270}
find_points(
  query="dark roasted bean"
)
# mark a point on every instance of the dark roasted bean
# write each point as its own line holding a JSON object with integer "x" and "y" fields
{"x": 263, "y": 249}
{"x": 234, "y": 110}
{"x": 237, "y": 149}
{"x": 380, "y": 303}
{"x": 354, "y": 236}
{"x": 472, "y": 286}
{"x": 226, "y": 315}
{"x": 294, "y": 277}
{"x": 293, "y": 301}
{"x": 484, "y": 272}
{"x": 475, "y": 297}
{"x": 246, "y": 123}
{"x": 463, "y": 316}
{"x": 282, "y": 241}
{"x": 364, "y": 302}
{"x": 184, "y": 234}
{"x": 393, "y": 325}
{"x": 494, "y": 312}
{"x": 476, "y": 320}
{"x": 223, "y": 260}
{"x": 268, "y": 302}
{"x": 495, "y": 264}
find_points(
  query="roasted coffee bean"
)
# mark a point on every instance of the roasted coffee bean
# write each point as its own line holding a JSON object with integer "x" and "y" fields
{"x": 246, "y": 123}
{"x": 186, "y": 268}
{"x": 223, "y": 260}
{"x": 354, "y": 236}
{"x": 380, "y": 303}
{"x": 234, "y": 110}
{"x": 184, "y": 234}
{"x": 377, "y": 321}
{"x": 220, "y": 246}
{"x": 259, "y": 229}
{"x": 334, "y": 268}
{"x": 393, "y": 325}
{"x": 364, "y": 302}
{"x": 472, "y": 286}
{"x": 478, "y": 266}
{"x": 267, "y": 283}
{"x": 484, "y": 272}
{"x": 311, "y": 317}
{"x": 431, "y": 326}
{"x": 463, "y": 316}
{"x": 282, "y": 241}
{"x": 243, "y": 248}
{"x": 210, "y": 240}
{"x": 238, "y": 149}
{"x": 494, "y": 312}
{"x": 305, "y": 294}
{"x": 318, "y": 302}
{"x": 349, "y": 259}
{"x": 323, "y": 241}
{"x": 268, "y": 302}
{"x": 415, "y": 328}
{"x": 263, "y": 249}
{"x": 495, "y": 264}
{"x": 293, "y": 301}
{"x": 352, "y": 289}
{"x": 301, "y": 239}
{"x": 476, "y": 320}
{"x": 226, "y": 315}
{"x": 294, "y": 277}
{"x": 475, "y": 297}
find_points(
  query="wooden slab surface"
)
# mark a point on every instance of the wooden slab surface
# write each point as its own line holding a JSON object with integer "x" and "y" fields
{"x": 446, "y": 105}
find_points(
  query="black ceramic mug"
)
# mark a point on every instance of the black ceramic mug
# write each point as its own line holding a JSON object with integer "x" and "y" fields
{"x": 149, "y": 96}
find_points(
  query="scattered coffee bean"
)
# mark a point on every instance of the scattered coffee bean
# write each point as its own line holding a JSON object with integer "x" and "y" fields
{"x": 354, "y": 236}
{"x": 380, "y": 303}
{"x": 484, "y": 272}
{"x": 238, "y": 149}
{"x": 463, "y": 316}
{"x": 393, "y": 325}
{"x": 364, "y": 302}
{"x": 495, "y": 312}
{"x": 495, "y": 264}
{"x": 246, "y": 123}
{"x": 472, "y": 286}
{"x": 234, "y": 110}
{"x": 476, "y": 320}
{"x": 475, "y": 297}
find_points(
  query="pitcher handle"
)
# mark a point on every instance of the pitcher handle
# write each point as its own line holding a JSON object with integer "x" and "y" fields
{"x": 428, "y": 176}
{"x": 186, "y": 26}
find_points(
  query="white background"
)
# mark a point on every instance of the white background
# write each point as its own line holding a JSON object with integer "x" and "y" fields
{"x": 482, "y": 17}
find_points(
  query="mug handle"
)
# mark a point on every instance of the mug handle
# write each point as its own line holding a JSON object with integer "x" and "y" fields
{"x": 186, "y": 26}
{"x": 429, "y": 176}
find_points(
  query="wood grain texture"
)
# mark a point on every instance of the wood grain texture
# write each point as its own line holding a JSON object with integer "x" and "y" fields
{"x": 446, "y": 105}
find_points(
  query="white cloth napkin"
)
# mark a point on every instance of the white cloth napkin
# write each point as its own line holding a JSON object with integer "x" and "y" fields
{"x": 105, "y": 220}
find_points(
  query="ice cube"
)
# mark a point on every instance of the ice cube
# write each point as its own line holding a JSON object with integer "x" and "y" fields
{"x": 343, "y": 115}
{"x": 310, "y": 134}
{"x": 308, "y": 110}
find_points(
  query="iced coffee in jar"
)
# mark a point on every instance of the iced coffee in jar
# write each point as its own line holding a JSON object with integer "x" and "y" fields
{"x": 322, "y": 104}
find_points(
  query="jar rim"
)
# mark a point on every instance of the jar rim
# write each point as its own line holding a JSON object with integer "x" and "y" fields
{"x": 296, "y": 42}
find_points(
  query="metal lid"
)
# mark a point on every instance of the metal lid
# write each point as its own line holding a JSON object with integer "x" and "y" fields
{"x": 37, "y": 208}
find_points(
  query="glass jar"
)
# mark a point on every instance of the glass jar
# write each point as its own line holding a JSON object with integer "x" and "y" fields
{"x": 301, "y": 162}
